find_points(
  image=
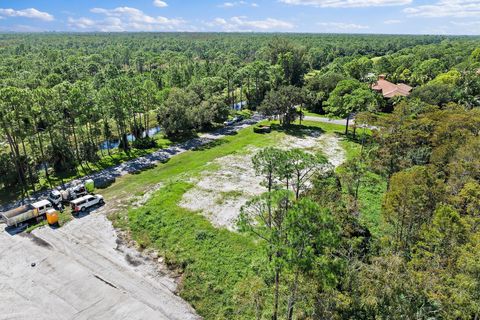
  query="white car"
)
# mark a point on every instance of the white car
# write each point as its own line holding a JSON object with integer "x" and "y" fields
{"x": 86, "y": 202}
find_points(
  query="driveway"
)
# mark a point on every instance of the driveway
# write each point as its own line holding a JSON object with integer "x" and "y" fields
{"x": 342, "y": 122}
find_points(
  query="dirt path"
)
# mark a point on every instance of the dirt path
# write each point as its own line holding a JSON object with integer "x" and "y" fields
{"x": 83, "y": 271}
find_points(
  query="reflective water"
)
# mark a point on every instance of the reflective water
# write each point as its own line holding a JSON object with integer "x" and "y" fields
{"x": 112, "y": 144}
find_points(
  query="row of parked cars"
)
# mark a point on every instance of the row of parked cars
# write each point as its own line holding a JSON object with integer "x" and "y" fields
{"x": 79, "y": 197}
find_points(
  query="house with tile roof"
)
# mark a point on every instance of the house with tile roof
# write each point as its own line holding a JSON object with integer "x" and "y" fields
{"x": 389, "y": 89}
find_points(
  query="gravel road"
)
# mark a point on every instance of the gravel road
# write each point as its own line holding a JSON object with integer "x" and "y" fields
{"x": 141, "y": 163}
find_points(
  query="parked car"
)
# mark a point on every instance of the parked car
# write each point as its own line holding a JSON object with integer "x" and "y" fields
{"x": 86, "y": 202}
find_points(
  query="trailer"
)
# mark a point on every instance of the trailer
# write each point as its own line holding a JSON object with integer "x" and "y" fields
{"x": 25, "y": 213}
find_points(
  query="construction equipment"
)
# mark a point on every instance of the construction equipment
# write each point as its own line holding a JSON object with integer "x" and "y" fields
{"x": 27, "y": 212}
{"x": 56, "y": 197}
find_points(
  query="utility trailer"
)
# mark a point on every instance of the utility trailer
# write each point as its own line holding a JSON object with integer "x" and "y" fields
{"x": 25, "y": 213}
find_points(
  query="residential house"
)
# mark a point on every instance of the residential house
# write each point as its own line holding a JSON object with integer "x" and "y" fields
{"x": 389, "y": 89}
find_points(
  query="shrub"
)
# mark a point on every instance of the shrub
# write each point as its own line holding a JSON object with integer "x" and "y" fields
{"x": 144, "y": 143}
{"x": 262, "y": 129}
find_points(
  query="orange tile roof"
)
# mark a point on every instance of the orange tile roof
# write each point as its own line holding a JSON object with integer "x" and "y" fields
{"x": 390, "y": 90}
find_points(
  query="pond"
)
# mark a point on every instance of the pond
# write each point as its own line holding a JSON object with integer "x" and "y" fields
{"x": 112, "y": 144}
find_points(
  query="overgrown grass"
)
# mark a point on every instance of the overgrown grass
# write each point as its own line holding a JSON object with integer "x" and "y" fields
{"x": 213, "y": 261}
{"x": 370, "y": 193}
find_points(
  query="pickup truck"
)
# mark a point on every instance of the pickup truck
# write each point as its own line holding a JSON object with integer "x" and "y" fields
{"x": 86, "y": 202}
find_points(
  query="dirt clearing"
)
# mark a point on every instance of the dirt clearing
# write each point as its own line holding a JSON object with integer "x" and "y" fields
{"x": 219, "y": 194}
{"x": 83, "y": 271}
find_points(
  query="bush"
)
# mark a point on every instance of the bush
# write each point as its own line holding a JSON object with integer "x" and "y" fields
{"x": 246, "y": 114}
{"x": 262, "y": 129}
{"x": 144, "y": 143}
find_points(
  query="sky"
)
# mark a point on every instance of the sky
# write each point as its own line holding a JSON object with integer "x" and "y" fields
{"x": 312, "y": 16}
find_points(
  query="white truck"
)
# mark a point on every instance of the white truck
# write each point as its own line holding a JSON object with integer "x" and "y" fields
{"x": 86, "y": 202}
{"x": 27, "y": 212}
{"x": 57, "y": 197}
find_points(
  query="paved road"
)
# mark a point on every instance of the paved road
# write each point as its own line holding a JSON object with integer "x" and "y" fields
{"x": 141, "y": 163}
{"x": 342, "y": 122}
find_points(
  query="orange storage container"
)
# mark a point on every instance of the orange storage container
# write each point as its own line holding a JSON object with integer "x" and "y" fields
{"x": 52, "y": 217}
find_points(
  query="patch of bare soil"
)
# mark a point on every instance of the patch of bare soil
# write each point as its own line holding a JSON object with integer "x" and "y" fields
{"x": 220, "y": 194}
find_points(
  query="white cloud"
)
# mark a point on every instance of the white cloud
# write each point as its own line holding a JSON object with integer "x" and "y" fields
{"x": 446, "y": 8}
{"x": 27, "y": 13}
{"x": 160, "y": 4}
{"x": 127, "y": 19}
{"x": 466, "y": 23}
{"x": 347, "y": 3}
{"x": 392, "y": 21}
{"x": 243, "y": 24}
{"x": 81, "y": 23}
{"x": 341, "y": 27}
{"x": 238, "y": 4}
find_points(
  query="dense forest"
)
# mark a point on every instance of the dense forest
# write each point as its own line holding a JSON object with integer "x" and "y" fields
{"x": 63, "y": 95}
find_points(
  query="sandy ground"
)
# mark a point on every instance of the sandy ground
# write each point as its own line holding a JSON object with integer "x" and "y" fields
{"x": 83, "y": 271}
{"x": 220, "y": 194}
